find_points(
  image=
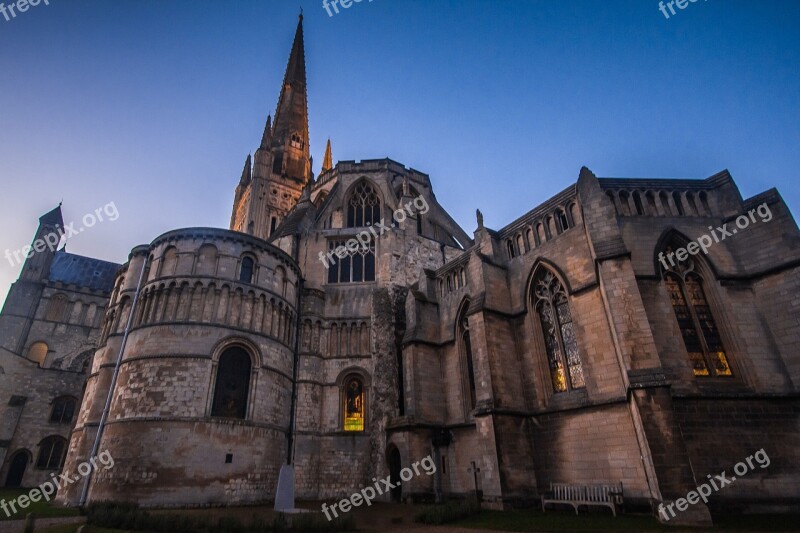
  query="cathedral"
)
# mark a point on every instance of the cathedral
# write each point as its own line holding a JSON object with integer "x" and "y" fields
{"x": 622, "y": 332}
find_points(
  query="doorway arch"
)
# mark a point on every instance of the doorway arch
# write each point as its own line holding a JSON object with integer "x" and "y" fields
{"x": 17, "y": 466}
{"x": 395, "y": 465}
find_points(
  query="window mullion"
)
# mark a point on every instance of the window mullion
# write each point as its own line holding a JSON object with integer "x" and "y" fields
{"x": 700, "y": 333}
{"x": 561, "y": 346}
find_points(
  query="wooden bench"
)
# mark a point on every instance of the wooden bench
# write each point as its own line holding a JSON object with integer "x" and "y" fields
{"x": 576, "y": 495}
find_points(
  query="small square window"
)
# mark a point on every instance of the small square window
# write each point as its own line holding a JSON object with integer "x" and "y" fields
{"x": 228, "y": 458}
{"x": 17, "y": 401}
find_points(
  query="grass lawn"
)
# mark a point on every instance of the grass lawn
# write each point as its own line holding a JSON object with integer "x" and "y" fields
{"x": 40, "y": 509}
{"x": 535, "y": 520}
{"x": 383, "y": 517}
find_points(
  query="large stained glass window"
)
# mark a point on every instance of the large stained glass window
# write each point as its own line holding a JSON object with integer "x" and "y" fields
{"x": 232, "y": 385}
{"x": 686, "y": 325}
{"x": 698, "y": 328}
{"x": 353, "y": 404}
{"x": 563, "y": 358}
{"x": 364, "y": 208}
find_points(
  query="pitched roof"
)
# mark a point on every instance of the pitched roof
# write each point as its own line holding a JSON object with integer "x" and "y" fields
{"x": 87, "y": 272}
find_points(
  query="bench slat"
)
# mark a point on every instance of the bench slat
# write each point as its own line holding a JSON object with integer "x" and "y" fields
{"x": 576, "y": 495}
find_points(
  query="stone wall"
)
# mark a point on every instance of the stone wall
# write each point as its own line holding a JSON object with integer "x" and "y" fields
{"x": 194, "y": 304}
{"x": 722, "y": 432}
{"x": 26, "y": 404}
{"x": 594, "y": 445}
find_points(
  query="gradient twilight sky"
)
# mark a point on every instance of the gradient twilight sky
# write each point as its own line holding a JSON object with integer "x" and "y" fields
{"x": 154, "y": 105}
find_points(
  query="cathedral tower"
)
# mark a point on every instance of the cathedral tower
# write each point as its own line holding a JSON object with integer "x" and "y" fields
{"x": 272, "y": 182}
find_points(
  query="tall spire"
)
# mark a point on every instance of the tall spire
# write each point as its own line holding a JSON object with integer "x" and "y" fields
{"x": 290, "y": 141}
{"x": 327, "y": 162}
{"x": 274, "y": 177}
{"x": 296, "y": 68}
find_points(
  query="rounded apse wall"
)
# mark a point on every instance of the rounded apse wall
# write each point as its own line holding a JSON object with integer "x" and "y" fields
{"x": 201, "y": 407}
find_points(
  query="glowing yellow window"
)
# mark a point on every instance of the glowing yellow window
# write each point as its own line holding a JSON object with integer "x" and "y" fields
{"x": 354, "y": 405}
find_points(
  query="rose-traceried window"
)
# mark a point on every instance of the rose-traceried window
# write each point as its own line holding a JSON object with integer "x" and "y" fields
{"x": 563, "y": 359}
{"x": 364, "y": 207}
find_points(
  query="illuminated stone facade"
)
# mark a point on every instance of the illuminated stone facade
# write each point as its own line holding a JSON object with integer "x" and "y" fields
{"x": 560, "y": 348}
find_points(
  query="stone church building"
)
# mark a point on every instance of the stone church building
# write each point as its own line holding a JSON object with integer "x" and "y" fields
{"x": 580, "y": 343}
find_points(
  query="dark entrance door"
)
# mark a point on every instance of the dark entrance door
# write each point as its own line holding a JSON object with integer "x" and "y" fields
{"x": 17, "y": 469}
{"x": 393, "y": 458}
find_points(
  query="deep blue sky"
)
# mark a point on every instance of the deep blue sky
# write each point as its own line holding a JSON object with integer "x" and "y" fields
{"x": 154, "y": 105}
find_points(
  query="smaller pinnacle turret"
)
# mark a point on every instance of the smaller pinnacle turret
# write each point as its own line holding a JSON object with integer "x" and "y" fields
{"x": 267, "y": 137}
{"x": 327, "y": 162}
{"x": 246, "y": 171}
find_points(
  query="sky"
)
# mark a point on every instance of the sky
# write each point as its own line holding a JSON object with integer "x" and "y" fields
{"x": 153, "y": 105}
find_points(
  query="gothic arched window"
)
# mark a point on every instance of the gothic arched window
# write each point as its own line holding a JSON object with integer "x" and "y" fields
{"x": 563, "y": 359}
{"x": 232, "y": 384}
{"x": 698, "y": 327}
{"x": 52, "y": 451}
{"x": 465, "y": 348}
{"x": 63, "y": 410}
{"x": 353, "y": 404}
{"x": 364, "y": 208}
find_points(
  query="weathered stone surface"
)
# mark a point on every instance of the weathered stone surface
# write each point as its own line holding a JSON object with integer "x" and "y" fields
{"x": 457, "y": 343}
